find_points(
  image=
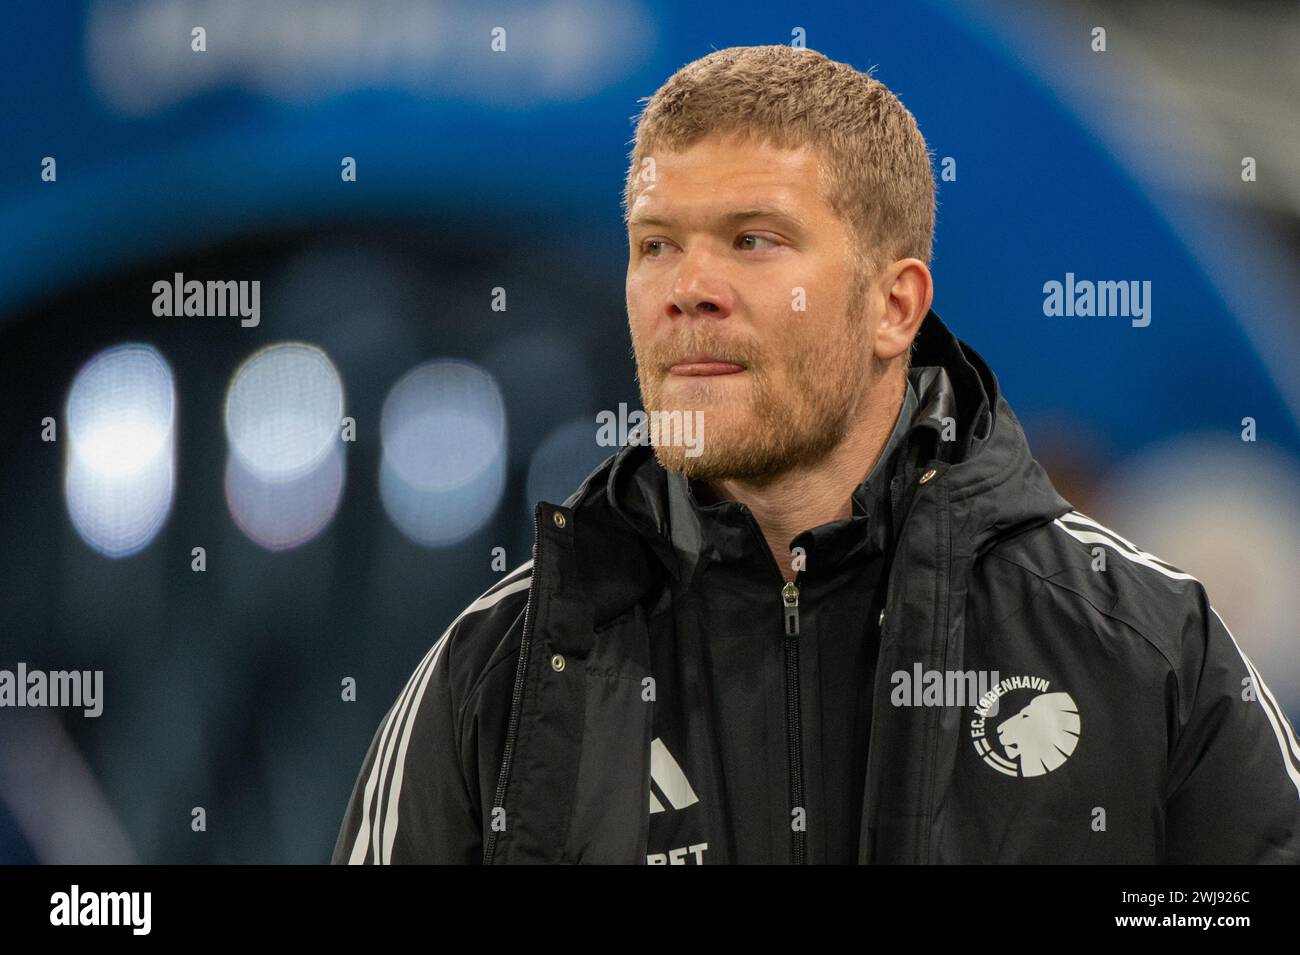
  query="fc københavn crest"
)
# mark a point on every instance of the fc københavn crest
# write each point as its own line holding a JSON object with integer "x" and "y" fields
{"x": 1022, "y": 727}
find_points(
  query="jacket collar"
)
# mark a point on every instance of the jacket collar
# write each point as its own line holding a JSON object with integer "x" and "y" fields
{"x": 710, "y": 531}
{"x": 623, "y": 511}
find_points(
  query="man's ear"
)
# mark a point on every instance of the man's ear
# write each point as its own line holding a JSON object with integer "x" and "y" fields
{"x": 908, "y": 289}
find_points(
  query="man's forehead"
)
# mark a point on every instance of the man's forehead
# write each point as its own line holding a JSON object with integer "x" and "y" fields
{"x": 723, "y": 180}
{"x": 714, "y": 166}
{"x": 658, "y": 210}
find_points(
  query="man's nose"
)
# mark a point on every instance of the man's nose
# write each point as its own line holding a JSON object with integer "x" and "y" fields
{"x": 700, "y": 288}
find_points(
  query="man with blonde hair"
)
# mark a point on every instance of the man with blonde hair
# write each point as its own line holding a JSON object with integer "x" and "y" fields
{"x": 856, "y": 623}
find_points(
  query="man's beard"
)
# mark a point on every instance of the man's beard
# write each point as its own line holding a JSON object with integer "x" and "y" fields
{"x": 768, "y": 431}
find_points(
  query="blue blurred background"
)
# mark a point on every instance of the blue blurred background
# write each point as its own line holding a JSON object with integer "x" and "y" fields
{"x": 482, "y": 174}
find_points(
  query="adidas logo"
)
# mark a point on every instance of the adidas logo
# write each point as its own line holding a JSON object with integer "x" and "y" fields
{"x": 667, "y": 778}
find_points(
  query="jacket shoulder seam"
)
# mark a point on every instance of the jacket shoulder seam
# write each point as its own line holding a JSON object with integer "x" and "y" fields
{"x": 489, "y": 667}
{"x": 1089, "y": 601}
{"x": 477, "y": 685}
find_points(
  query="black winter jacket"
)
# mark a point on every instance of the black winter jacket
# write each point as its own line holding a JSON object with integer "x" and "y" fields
{"x": 1044, "y": 690}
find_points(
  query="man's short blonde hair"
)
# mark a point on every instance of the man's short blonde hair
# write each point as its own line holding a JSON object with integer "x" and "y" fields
{"x": 874, "y": 165}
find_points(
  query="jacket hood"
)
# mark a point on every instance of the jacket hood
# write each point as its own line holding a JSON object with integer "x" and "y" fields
{"x": 994, "y": 478}
{"x": 997, "y": 488}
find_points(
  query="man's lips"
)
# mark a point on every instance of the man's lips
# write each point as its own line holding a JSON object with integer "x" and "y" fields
{"x": 704, "y": 365}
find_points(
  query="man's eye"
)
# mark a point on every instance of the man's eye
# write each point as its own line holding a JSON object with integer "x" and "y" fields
{"x": 757, "y": 238}
{"x": 646, "y": 247}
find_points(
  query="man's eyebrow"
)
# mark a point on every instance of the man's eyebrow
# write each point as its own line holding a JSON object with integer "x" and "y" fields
{"x": 730, "y": 218}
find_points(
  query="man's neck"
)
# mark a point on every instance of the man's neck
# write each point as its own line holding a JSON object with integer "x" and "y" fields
{"x": 807, "y": 497}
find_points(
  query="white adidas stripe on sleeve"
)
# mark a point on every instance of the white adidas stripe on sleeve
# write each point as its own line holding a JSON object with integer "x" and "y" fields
{"x": 376, "y": 835}
{"x": 1100, "y": 534}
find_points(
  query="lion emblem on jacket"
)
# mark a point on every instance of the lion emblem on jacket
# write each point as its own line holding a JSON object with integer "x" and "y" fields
{"x": 1043, "y": 734}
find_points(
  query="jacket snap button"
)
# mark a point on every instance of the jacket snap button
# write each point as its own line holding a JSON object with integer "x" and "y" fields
{"x": 927, "y": 475}
{"x": 557, "y": 663}
{"x": 559, "y": 522}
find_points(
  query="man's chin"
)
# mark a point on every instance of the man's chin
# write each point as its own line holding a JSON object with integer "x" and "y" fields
{"x": 711, "y": 464}
{"x": 693, "y": 441}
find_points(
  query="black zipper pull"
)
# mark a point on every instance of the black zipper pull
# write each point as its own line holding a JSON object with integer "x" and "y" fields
{"x": 790, "y": 598}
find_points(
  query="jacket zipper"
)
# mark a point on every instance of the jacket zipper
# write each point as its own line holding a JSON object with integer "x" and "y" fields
{"x": 516, "y": 697}
{"x": 790, "y": 608}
